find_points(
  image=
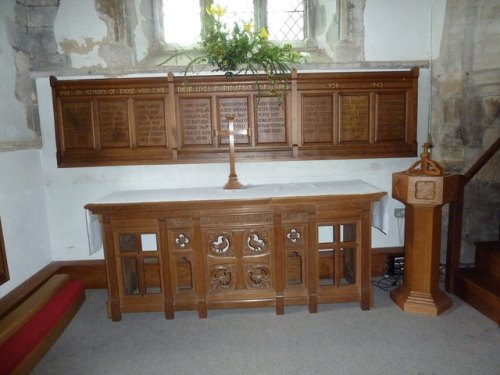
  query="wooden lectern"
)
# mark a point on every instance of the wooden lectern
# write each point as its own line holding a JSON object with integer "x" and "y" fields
{"x": 423, "y": 188}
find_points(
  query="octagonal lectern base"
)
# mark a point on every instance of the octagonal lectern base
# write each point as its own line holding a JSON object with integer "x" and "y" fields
{"x": 421, "y": 303}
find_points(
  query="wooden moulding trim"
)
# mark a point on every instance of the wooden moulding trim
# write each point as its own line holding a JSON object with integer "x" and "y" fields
{"x": 93, "y": 273}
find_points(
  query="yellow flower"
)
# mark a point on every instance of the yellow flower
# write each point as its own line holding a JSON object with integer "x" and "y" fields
{"x": 216, "y": 10}
{"x": 263, "y": 33}
{"x": 248, "y": 27}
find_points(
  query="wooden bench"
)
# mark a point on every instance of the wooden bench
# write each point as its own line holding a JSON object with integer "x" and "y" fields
{"x": 28, "y": 331}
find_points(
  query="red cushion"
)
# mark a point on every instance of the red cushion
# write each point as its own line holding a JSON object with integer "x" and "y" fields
{"x": 19, "y": 345}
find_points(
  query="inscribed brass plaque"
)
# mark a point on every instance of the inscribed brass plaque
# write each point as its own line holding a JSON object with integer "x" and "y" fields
{"x": 271, "y": 126}
{"x": 391, "y": 117}
{"x": 150, "y": 122}
{"x": 354, "y": 124}
{"x": 113, "y": 123}
{"x": 195, "y": 121}
{"x": 237, "y": 107}
{"x": 77, "y": 125}
{"x": 317, "y": 119}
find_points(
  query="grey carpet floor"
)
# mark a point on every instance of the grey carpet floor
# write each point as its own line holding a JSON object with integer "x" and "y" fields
{"x": 339, "y": 339}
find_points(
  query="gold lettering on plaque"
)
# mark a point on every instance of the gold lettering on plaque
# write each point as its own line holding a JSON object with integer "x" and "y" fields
{"x": 196, "y": 121}
{"x": 333, "y": 85}
{"x": 354, "y": 123}
{"x": 115, "y": 91}
{"x": 317, "y": 119}
{"x": 150, "y": 122}
{"x": 271, "y": 126}
{"x": 191, "y": 88}
{"x": 391, "y": 117}
{"x": 113, "y": 123}
{"x": 239, "y": 108}
{"x": 77, "y": 125}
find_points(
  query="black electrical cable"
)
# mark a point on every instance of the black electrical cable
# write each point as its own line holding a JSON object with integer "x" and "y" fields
{"x": 388, "y": 283}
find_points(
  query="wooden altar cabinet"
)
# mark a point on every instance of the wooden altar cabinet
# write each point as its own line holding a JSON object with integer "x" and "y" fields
{"x": 267, "y": 245}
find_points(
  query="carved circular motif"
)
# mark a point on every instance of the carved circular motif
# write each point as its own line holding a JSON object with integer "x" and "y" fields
{"x": 220, "y": 245}
{"x": 255, "y": 243}
{"x": 221, "y": 278}
{"x": 258, "y": 276}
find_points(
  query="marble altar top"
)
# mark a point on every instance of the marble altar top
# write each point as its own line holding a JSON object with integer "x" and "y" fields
{"x": 299, "y": 189}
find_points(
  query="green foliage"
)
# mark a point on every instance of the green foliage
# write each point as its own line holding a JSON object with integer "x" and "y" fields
{"x": 241, "y": 50}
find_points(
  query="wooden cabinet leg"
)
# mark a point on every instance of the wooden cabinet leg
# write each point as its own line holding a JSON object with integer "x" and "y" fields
{"x": 202, "y": 309}
{"x": 313, "y": 304}
{"x": 114, "y": 310}
{"x": 280, "y": 305}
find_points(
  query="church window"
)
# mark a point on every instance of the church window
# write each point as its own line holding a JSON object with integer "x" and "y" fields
{"x": 286, "y": 20}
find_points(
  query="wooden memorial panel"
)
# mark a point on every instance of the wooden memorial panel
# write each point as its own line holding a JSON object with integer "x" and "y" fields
{"x": 237, "y": 107}
{"x": 178, "y": 119}
{"x": 150, "y": 123}
{"x": 354, "y": 118}
{"x": 317, "y": 119}
{"x": 196, "y": 121}
{"x": 113, "y": 123}
{"x": 77, "y": 125}
{"x": 391, "y": 116}
{"x": 271, "y": 121}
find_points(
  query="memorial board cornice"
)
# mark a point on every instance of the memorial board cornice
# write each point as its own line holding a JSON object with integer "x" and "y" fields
{"x": 177, "y": 119}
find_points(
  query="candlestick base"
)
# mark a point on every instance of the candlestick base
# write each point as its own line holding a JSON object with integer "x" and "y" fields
{"x": 233, "y": 183}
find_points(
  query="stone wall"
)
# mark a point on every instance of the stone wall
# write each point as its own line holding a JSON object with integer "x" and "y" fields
{"x": 466, "y": 110}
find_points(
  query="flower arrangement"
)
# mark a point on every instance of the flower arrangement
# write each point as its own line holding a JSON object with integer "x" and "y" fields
{"x": 241, "y": 50}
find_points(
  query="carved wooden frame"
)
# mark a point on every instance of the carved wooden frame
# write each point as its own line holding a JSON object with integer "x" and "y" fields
{"x": 4, "y": 269}
{"x": 333, "y": 115}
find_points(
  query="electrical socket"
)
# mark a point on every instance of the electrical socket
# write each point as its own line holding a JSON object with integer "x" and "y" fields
{"x": 399, "y": 212}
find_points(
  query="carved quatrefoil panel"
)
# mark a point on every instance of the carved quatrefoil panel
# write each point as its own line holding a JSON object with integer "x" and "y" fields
{"x": 294, "y": 236}
{"x": 220, "y": 244}
{"x": 222, "y": 277}
{"x": 257, "y": 276}
{"x": 256, "y": 242}
{"x": 182, "y": 241}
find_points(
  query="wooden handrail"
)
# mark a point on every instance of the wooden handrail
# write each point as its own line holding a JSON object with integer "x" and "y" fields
{"x": 455, "y": 216}
{"x": 476, "y": 167}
